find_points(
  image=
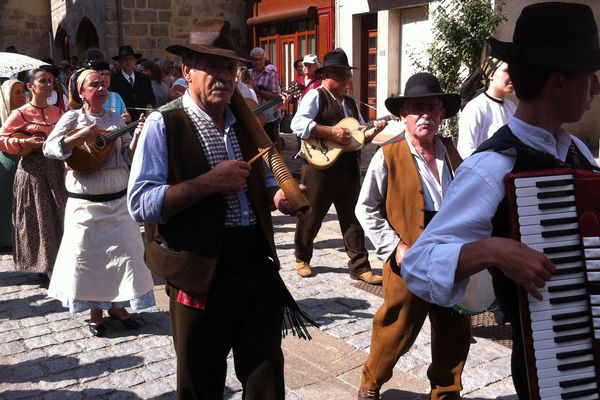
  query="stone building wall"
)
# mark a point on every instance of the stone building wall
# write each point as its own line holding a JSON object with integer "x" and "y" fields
{"x": 147, "y": 25}
{"x": 25, "y": 25}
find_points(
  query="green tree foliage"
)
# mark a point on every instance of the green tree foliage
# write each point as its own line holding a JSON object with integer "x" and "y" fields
{"x": 460, "y": 31}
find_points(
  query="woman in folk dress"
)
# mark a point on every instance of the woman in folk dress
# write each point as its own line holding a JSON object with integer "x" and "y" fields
{"x": 100, "y": 264}
{"x": 12, "y": 97}
{"x": 39, "y": 189}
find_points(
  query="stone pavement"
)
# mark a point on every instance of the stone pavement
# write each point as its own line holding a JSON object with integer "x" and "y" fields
{"x": 46, "y": 353}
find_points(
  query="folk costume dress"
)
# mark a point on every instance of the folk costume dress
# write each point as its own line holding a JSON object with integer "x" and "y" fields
{"x": 100, "y": 260}
{"x": 39, "y": 191}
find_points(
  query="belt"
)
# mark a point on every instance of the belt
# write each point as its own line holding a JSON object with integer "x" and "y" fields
{"x": 98, "y": 198}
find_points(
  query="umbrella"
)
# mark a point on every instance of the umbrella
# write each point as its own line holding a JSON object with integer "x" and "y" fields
{"x": 13, "y": 63}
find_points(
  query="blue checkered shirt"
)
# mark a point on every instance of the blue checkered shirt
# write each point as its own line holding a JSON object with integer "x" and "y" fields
{"x": 219, "y": 147}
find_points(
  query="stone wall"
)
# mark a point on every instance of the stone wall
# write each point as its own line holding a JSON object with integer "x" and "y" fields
{"x": 147, "y": 25}
{"x": 25, "y": 25}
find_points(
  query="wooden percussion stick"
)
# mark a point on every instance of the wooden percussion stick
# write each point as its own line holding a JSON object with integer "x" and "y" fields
{"x": 272, "y": 157}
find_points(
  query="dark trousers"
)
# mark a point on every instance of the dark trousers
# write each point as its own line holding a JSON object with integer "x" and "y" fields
{"x": 395, "y": 328}
{"x": 243, "y": 313}
{"x": 507, "y": 296}
{"x": 338, "y": 185}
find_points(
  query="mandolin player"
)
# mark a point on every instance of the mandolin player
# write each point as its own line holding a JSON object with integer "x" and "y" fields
{"x": 339, "y": 184}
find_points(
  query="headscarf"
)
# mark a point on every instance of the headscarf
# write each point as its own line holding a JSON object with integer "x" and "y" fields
{"x": 75, "y": 83}
{"x": 5, "y": 93}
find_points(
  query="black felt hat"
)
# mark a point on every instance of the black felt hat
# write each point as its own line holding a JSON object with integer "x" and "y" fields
{"x": 335, "y": 59}
{"x": 126, "y": 51}
{"x": 553, "y": 35}
{"x": 424, "y": 84}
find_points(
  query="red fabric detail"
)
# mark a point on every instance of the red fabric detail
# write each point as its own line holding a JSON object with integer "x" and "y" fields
{"x": 197, "y": 302}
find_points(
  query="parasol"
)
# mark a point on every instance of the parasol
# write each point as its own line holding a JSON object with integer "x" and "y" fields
{"x": 13, "y": 63}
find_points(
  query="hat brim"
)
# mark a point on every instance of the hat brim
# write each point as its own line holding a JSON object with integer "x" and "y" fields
{"x": 321, "y": 69}
{"x": 450, "y": 102}
{"x": 539, "y": 57}
{"x": 180, "y": 50}
{"x": 136, "y": 55}
{"x": 99, "y": 65}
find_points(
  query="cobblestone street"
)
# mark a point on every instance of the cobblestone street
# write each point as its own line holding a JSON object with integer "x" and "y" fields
{"x": 46, "y": 353}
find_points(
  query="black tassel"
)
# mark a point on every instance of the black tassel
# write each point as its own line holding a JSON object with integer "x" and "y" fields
{"x": 293, "y": 318}
{"x": 295, "y": 321}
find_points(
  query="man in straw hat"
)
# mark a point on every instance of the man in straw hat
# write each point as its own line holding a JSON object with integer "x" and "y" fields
{"x": 319, "y": 111}
{"x": 208, "y": 228}
{"x": 134, "y": 87}
{"x": 553, "y": 60}
{"x": 490, "y": 110}
{"x": 403, "y": 179}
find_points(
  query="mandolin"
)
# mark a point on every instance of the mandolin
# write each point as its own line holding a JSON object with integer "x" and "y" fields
{"x": 22, "y": 135}
{"x": 321, "y": 153}
{"x": 92, "y": 154}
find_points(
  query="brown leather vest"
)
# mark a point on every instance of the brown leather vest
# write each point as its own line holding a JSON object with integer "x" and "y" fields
{"x": 194, "y": 236}
{"x": 405, "y": 206}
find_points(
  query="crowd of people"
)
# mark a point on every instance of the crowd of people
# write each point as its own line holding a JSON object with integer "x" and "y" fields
{"x": 168, "y": 147}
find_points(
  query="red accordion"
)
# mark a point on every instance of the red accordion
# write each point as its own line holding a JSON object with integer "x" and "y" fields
{"x": 557, "y": 212}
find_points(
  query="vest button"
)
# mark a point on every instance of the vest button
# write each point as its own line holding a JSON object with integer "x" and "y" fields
{"x": 421, "y": 191}
{"x": 421, "y": 226}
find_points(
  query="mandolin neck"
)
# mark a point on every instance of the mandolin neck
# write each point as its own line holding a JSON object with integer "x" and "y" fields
{"x": 113, "y": 135}
{"x": 371, "y": 124}
{"x": 261, "y": 109}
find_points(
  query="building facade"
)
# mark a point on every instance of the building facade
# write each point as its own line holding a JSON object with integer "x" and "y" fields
{"x": 288, "y": 32}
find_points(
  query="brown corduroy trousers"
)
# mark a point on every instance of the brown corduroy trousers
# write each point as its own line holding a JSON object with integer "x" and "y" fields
{"x": 395, "y": 328}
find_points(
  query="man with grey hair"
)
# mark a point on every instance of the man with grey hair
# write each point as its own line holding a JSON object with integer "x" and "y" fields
{"x": 266, "y": 86}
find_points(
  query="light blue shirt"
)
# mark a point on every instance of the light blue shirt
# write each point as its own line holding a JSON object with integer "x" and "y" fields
{"x": 429, "y": 267}
{"x": 114, "y": 102}
{"x": 149, "y": 168}
{"x": 303, "y": 122}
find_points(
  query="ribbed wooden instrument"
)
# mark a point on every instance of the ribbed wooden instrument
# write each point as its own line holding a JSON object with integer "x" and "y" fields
{"x": 90, "y": 156}
{"x": 272, "y": 157}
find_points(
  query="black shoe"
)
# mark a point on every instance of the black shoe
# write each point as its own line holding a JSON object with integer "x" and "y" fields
{"x": 97, "y": 330}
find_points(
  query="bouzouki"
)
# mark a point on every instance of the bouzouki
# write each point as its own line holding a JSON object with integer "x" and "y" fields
{"x": 294, "y": 91}
{"x": 92, "y": 154}
{"x": 321, "y": 153}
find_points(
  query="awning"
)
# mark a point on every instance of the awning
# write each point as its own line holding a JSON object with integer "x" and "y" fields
{"x": 297, "y": 13}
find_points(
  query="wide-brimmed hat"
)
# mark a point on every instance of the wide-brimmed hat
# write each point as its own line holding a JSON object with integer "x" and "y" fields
{"x": 424, "y": 84}
{"x": 94, "y": 58}
{"x": 126, "y": 51}
{"x": 210, "y": 36}
{"x": 553, "y": 35}
{"x": 335, "y": 59}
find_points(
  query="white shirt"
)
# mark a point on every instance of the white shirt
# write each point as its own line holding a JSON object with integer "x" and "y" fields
{"x": 303, "y": 122}
{"x": 480, "y": 119}
{"x": 428, "y": 268}
{"x": 127, "y": 77}
{"x": 370, "y": 207}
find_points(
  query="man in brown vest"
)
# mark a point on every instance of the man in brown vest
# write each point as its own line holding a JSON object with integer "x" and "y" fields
{"x": 403, "y": 188}
{"x": 209, "y": 231}
{"x": 339, "y": 184}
